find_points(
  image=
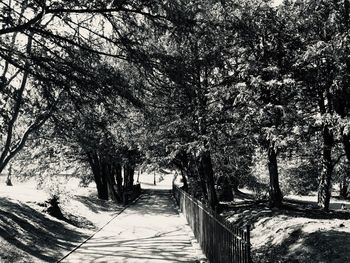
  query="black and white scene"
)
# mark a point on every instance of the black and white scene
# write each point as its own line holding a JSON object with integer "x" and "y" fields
{"x": 165, "y": 131}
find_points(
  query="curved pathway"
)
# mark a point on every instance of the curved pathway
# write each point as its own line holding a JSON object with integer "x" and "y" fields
{"x": 151, "y": 231}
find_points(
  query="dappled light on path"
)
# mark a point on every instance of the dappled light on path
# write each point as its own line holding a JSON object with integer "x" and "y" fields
{"x": 149, "y": 231}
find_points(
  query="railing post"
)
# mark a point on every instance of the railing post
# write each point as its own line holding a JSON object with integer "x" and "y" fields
{"x": 248, "y": 244}
{"x": 220, "y": 241}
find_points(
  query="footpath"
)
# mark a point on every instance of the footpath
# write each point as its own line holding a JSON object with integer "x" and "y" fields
{"x": 151, "y": 230}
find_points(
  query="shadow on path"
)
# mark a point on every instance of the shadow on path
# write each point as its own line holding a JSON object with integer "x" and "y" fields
{"x": 149, "y": 231}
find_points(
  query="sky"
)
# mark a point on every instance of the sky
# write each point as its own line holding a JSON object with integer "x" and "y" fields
{"x": 277, "y": 2}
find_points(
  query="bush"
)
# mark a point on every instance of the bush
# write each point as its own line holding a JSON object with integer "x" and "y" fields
{"x": 86, "y": 179}
{"x": 56, "y": 187}
{"x": 300, "y": 180}
{"x": 53, "y": 208}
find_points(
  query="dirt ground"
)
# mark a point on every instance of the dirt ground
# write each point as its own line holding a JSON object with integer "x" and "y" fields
{"x": 299, "y": 232}
{"x": 28, "y": 234}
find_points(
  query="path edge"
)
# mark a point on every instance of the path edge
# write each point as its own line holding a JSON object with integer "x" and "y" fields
{"x": 200, "y": 256}
{"x": 93, "y": 234}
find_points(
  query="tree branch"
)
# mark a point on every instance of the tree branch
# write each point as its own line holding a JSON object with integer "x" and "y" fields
{"x": 72, "y": 42}
{"x": 336, "y": 161}
{"x": 45, "y": 10}
{"x": 17, "y": 106}
{"x": 24, "y": 26}
{"x": 102, "y": 11}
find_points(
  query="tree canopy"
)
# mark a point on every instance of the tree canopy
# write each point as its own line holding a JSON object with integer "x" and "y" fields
{"x": 241, "y": 92}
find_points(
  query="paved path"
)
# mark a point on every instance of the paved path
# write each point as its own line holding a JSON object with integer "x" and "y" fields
{"x": 149, "y": 231}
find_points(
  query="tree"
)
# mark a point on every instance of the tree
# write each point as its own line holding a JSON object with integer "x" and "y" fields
{"x": 320, "y": 66}
{"x": 96, "y": 116}
{"x": 268, "y": 55}
{"x": 35, "y": 12}
{"x": 21, "y": 112}
{"x": 44, "y": 65}
{"x": 184, "y": 75}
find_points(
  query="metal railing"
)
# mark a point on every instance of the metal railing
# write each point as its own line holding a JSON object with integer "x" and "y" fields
{"x": 219, "y": 240}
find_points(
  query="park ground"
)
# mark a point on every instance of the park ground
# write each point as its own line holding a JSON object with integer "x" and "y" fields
{"x": 150, "y": 230}
{"x": 297, "y": 233}
{"x": 28, "y": 234}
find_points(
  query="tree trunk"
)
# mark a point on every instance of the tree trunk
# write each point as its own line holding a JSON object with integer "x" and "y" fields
{"x": 324, "y": 189}
{"x": 95, "y": 164}
{"x": 346, "y": 144}
{"x": 206, "y": 172}
{"x": 184, "y": 181}
{"x": 345, "y": 180}
{"x": 346, "y": 13}
{"x": 235, "y": 185}
{"x": 8, "y": 181}
{"x": 110, "y": 181}
{"x": 103, "y": 178}
{"x": 128, "y": 176}
{"x": 197, "y": 181}
{"x": 194, "y": 184}
{"x": 102, "y": 191}
{"x": 119, "y": 180}
{"x": 9, "y": 175}
{"x": 226, "y": 190}
{"x": 138, "y": 175}
{"x": 201, "y": 180}
{"x": 344, "y": 185}
{"x": 128, "y": 182}
{"x": 274, "y": 189}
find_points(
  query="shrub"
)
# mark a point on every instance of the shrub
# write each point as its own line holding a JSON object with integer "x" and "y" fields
{"x": 300, "y": 180}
